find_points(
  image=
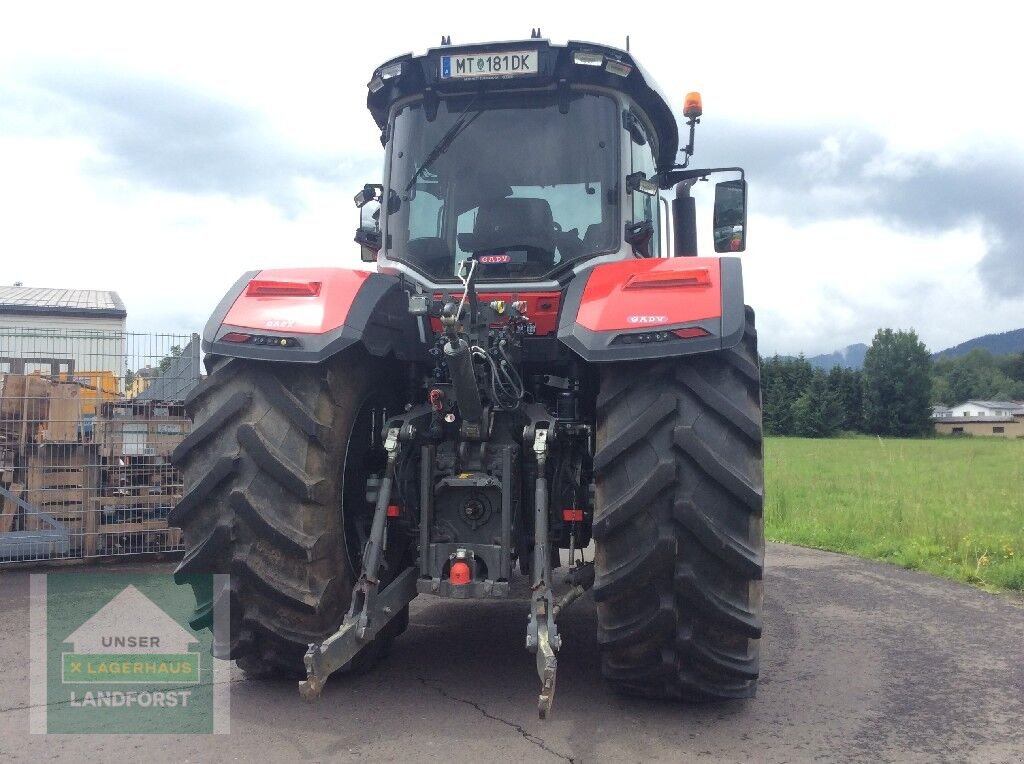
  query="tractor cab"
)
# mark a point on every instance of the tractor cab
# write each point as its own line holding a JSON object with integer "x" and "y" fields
{"x": 528, "y": 157}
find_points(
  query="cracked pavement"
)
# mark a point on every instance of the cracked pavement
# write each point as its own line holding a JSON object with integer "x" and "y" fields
{"x": 861, "y": 661}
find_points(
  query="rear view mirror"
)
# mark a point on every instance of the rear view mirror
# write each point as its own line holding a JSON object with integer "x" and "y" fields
{"x": 730, "y": 217}
{"x": 368, "y": 234}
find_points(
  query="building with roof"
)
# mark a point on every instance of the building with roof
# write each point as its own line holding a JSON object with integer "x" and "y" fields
{"x": 61, "y": 331}
{"x": 987, "y": 409}
{"x": 91, "y": 309}
{"x": 996, "y": 418}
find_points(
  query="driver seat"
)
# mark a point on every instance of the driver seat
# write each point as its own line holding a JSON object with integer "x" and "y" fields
{"x": 512, "y": 223}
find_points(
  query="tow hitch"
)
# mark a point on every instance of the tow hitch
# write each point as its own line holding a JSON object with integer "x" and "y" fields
{"x": 542, "y": 632}
{"x": 370, "y": 611}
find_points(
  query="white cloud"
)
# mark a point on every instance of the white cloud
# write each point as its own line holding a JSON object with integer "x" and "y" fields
{"x": 923, "y": 80}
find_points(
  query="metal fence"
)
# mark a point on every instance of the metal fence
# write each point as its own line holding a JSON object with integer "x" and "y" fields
{"x": 88, "y": 421}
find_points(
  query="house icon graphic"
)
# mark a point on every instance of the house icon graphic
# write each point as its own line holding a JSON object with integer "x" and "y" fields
{"x": 131, "y": 623}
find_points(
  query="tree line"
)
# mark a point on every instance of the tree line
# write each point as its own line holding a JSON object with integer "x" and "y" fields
{"x": 892, "y": 395}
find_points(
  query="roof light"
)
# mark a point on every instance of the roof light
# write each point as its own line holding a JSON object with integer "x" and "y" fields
{"x": 391, "y": 70}
{"x": 617, "y": 67}
{"x": 384, "y": 73}
{"x": 260, "y": 288}
{"x": 587, "y": 58}
{"x": 692, "y": 106}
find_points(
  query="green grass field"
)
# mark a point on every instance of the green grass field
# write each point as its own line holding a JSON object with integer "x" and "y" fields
{"x": 949, "y": 506}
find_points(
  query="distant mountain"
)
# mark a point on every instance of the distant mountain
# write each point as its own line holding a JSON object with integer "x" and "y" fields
{"x": 850, "y": 357}
{"x": 996, "y": 344}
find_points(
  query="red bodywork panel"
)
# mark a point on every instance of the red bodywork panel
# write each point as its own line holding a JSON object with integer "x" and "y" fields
{"x": 541, "y": 308}
{"x": 663, "y": 292}
{"x": 318, "y": 311}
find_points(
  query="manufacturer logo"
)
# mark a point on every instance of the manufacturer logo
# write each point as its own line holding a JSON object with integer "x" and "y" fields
{"x": 109, "y": 656}
{"x": 495, "y": 259}
{"x": 647, "y": 319}
{"x": 279, "y": 323}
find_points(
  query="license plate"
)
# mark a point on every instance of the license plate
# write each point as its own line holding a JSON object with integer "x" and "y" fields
{"x": 510, "y": 63}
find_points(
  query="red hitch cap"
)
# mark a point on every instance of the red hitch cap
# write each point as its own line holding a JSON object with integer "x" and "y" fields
{"x": 460, "y": 574}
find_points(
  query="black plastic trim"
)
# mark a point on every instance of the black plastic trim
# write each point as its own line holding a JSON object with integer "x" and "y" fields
{"x": 420, "y": 77}
{"x": 217, "y": 317}
{"x": 733, "y": 311}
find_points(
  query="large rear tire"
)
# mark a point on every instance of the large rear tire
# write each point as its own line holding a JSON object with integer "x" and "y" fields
{"x": 678, "y": 526}
{"x": 265, "y": 473}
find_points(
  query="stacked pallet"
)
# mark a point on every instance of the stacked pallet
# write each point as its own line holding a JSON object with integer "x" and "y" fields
{"x": 139, "y": 486}
{"x": 34, "y": 409}
{"x": 9, "y": 509}
{"x": 108, "y": 495}
{"x": 59, "y": 480}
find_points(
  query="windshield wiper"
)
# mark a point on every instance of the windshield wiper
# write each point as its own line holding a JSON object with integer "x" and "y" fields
{"x": 447, "y": 140}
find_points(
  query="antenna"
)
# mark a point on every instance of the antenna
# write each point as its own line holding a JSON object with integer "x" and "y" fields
{"x": 627, "y": 43}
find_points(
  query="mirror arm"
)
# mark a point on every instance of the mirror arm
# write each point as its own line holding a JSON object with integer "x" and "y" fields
{"x": 638, "y": 236}
{"x": 680, "y": 173}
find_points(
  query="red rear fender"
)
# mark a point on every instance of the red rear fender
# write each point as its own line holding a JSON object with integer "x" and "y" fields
{"x": 297, "y": 300}
{"x": 638, "y": 309}
{"x": 309, "y": 314}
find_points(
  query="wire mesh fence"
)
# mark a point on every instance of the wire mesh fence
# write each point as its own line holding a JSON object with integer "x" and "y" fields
{"x": 88, "y": 422}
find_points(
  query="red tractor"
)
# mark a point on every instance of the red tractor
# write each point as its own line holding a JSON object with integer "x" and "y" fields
{"x": 536, "y": 365}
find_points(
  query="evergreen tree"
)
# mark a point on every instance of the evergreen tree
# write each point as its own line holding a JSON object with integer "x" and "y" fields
{"x": 783, "y": 381}
{"x": 897, "y": 385}
{"x": 847, "y": 387}
{"x": 818, "y": 412}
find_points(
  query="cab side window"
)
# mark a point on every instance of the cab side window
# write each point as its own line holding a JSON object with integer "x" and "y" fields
{"x": 645, "y": 206}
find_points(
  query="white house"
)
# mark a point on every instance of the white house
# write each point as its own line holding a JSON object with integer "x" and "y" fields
{"x": 54, "y": 331}
{"x": 986, "y": 409}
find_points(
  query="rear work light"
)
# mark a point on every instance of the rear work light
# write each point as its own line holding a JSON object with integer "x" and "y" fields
{"x": 588, "y": 58}
{"x": 690, "y": 332}
{"x": 617, "y": 67}
{"x": 661, "y": 335}
{"x": 259, "y": 288}
{"x": 239, "y": 338}
{"x": 384, "y": 74}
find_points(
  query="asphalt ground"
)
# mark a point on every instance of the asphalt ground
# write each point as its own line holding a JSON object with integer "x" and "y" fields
{"x": 860, "y": 661}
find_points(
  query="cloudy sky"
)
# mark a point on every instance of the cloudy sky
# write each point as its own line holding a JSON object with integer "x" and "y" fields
{"x": 162, "y": 149}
